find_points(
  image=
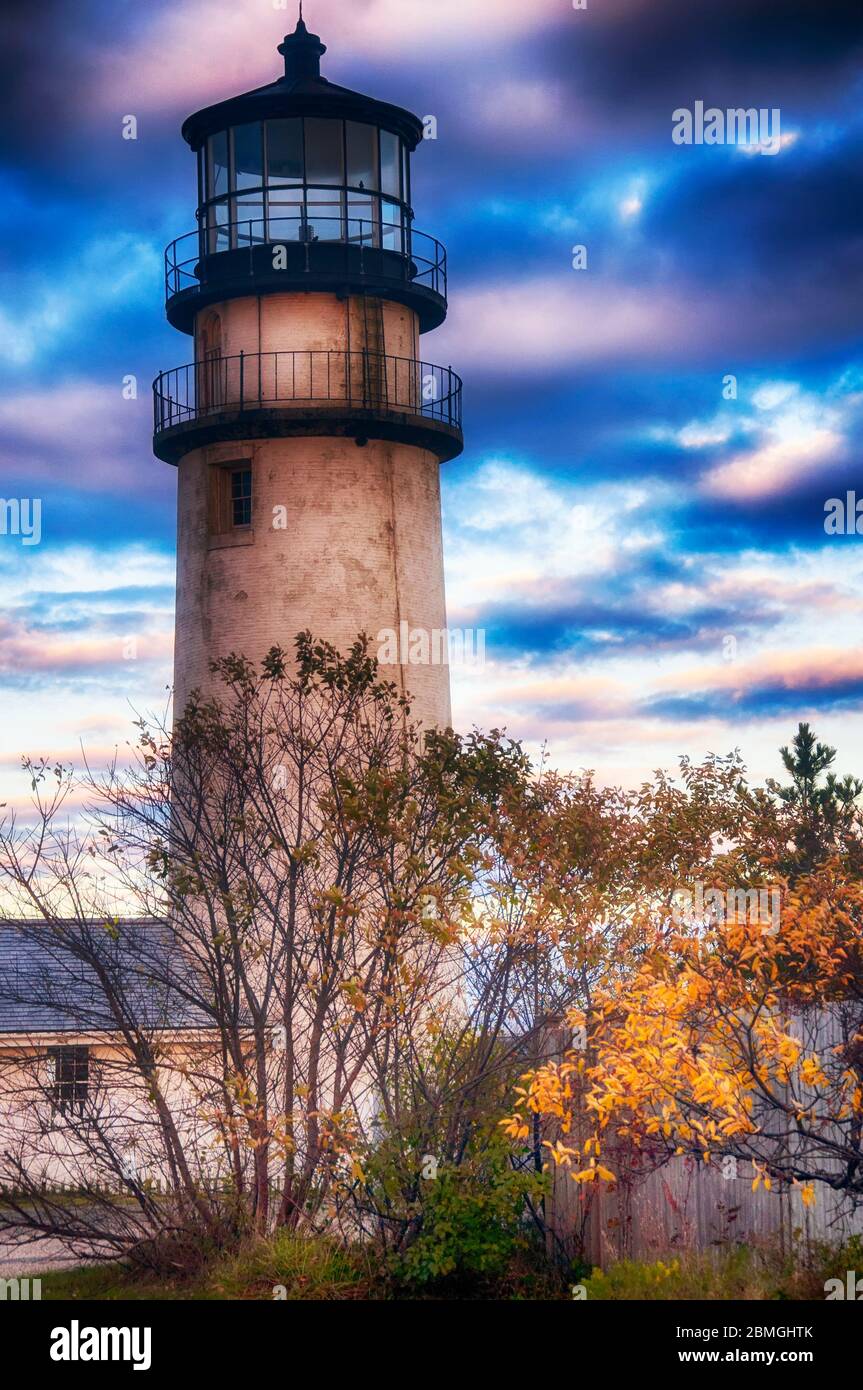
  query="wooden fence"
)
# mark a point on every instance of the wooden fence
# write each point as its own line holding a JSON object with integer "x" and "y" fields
{"x": 685, "y": 1204}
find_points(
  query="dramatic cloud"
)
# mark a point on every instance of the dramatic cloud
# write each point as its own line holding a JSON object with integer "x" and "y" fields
{"x": 644, "y": 550}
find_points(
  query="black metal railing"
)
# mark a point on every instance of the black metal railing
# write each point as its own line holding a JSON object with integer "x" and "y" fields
{"x": 312, "y": 380}
{"x": 414, "y": 257}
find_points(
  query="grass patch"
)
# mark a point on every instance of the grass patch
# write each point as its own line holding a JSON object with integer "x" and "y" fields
{"x": 315, "y": 1269}
{"x": 305, "y": 1268}
{"x": 302, "y": 1268}
{"x": 117, "y": 1282}
{"x": 746, "y": 1272}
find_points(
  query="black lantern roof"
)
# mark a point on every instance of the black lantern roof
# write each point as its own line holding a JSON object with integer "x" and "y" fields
{"x": 301, "y": 92}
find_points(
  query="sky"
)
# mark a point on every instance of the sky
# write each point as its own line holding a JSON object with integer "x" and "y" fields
{"x": 638, "y": 519}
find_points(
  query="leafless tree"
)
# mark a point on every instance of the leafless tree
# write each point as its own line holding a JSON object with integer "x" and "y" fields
{"x": 244, "y": 926}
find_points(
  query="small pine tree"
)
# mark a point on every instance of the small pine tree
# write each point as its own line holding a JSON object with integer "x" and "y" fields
{"x": 823, "y": 815}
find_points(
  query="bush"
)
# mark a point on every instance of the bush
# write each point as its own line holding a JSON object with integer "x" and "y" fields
{"x": 473, "y": 1225}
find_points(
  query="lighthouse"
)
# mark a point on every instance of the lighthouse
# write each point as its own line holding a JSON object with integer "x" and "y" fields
{"x": 307, "y": 430}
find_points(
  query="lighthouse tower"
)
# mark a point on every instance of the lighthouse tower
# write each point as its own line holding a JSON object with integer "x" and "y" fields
{"x": 307, "y": 431}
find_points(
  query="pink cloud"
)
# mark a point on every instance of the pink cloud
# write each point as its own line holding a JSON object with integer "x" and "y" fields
{"x": 816, "y": 668}
{"x": 561, "y": 701}
{"x": 42, "y": 424}
{"x": 776, "y": 465}
{"x": 25, "y": 650}
{"x": 545, "y": 321}
{"x": 195, "y": 53}
{"x": 746, "y": 585}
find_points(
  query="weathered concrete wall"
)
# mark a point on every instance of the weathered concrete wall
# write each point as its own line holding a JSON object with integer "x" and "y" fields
{"x": 361, "y": 551}
{"x": 306, "y": 322}
{"x": 362, "y": 547}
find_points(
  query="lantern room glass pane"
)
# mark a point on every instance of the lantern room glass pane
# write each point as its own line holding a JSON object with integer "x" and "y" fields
{"x": 285, "y": 151}
{"x": 390, "y": 164}
{"x": 391, "y": 226}
{"x": 249, "y": 219}
{"x": 218, "y": 218}
{"x": 324, "y": 161}
{"x": 248, "y": 155}
{"x": 362, "y": 143}
{"x": 406, "y": 175}
{"x": 285, "y": 214}
{"x": 324, "y": 212}
{"x": 217, "y": 165}
{"x": 362, "y": 220}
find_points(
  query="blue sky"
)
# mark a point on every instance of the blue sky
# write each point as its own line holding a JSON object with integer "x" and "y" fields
{"x": 648, "y": 558}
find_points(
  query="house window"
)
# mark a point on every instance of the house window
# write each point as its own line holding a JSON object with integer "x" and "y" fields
{"x": 70, "y": 1078}
{"x": 230, "y": 498}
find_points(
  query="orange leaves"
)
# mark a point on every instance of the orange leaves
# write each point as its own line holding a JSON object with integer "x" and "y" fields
{"x": 812, "y": 1073}
{"x": 353, "y": 992}
{"x": 594, "y": 1172}
{"x": 561, "y": 1153}
{"x": 693, "y": 1051}
{"x": 761, "y": 1176}
{"x": 515, "y": 1128}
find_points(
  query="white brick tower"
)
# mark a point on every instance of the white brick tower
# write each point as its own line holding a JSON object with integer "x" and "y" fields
{"x": 307, "y": 432}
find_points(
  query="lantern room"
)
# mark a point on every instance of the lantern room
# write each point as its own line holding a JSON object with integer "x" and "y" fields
{"x": 317, "y": 170}
{"x": 304, "y": 178}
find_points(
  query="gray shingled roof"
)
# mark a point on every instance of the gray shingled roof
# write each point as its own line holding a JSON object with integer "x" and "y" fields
{"x": 45, "y": 985}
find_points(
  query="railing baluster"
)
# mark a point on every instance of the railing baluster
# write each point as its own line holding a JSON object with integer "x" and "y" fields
{"x": 424, "y": 256}
{"x": 204, "y": 387}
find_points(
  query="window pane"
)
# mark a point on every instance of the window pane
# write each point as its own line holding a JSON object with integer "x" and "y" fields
{"x": 285, "y": 151}
{"x": 324, "y": 213}
{"x": 71, "y": 1076}
{"x": 406, "y": 175}
{"x": 323, "y": 151}
{"x": 362, "y": 143}
{"x": 249, "y": 219}
{"x": 241, "y": 497}
{"x": 390, "y": 164}
{"x": 248, "y": 155}
{"x": 218, "y": 218}
{"x": 391, "y": 217}
{"x": 362, "y": 219}
{"x": 285, "y": 214}
{"x": 217, "y": 164}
